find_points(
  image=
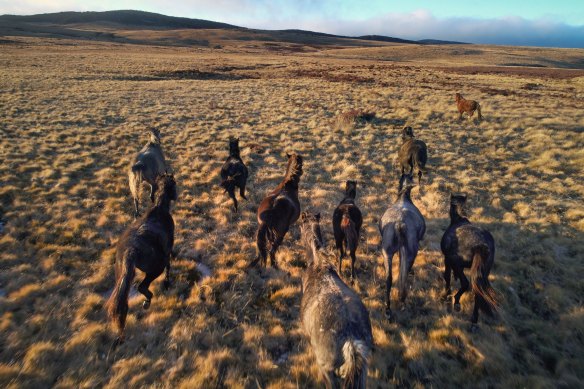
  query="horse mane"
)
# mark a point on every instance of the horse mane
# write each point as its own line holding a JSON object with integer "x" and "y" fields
{"x": 311, "y": 242}
{"x": 294, "y": 169}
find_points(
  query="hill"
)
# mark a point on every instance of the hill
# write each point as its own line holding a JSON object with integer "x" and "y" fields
{"x": 76, "y": 24}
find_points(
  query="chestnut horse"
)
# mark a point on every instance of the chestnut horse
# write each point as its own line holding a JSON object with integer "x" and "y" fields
{"x": 468, "y": 106}
{"x": 277, "y": 211}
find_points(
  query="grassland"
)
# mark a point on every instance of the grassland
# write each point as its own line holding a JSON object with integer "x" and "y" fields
{"x": 72, "y": 115}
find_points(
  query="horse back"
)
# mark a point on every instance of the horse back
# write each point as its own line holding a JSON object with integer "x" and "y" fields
{"x": 331, "y": 313}
{"x": 234, "y": 167}
{"x": 281, "y": 206}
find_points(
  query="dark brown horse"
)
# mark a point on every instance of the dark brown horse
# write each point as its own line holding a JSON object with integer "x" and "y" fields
{"x": 277, "y": 211}
{"x": 234, "y": 172}
{"x": 412, "y": 154}
{"x": 146, "y": 245}
{"x": 347, "y": 221}
{"x": 465, "y": 245}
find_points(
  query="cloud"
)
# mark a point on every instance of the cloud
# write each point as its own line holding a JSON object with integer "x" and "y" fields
{"x": 422, "y": 24}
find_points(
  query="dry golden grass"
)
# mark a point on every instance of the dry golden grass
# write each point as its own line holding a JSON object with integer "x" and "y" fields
{"x": 72, "y": 114}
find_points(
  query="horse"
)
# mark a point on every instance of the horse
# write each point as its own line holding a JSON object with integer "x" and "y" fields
{"x": 333, "y": 316}
{"x": 277, "y": 211}
{"x": 465, "y": 245}
{"x": 147, "y": 245}
{"x": 146, "y": 167}
{"x": 347, "y": 222}
{"x": 468, "y": 106}
{"x": 234, "y": 172}
{"x": 402, "y": 227}
{"x": 413, "y": 153}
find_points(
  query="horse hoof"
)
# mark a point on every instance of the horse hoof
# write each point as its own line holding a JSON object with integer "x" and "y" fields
{"x": 445, "y": 297}
{"x": 474, "y": 328}
{"x": 116, "y": 343}
{"x": 166, "y": 284}
{"x": 388, "y": 314}
{"x": 146, "y": 304}
{"x": 457, "y": 307}
{"x": 352, "y": 281}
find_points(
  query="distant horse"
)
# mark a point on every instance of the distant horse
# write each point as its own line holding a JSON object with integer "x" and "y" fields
{"x": 333, "y": 316}
{"x": 468, "y": 246}
{"x": 402, "y": 227}
{"x": 468, "y": 106}
{"x": 147, "y": 165}
{"x": 277, "y": 211}
{"x": 146, "y": 245}
{"x": 413, "y": 153}
{"x": 234, "y": 172}
{"x": 347, "y": 221}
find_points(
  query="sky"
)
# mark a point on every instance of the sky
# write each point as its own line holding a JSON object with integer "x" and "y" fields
{"x": 558, "y": 23}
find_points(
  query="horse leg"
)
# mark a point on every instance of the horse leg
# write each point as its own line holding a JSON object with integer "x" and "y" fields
{"x": 353, "y": 259}
{"x": 167, "y": 282}
{"x": 447, "y": 277}
{"x": 153, "y": 189}
{"x": 136, "y": 212}
{"x": 387, "y": 257}
{"x": 464, "y": 284}
{"x": 232, "y": 195}
{"x": 242, "y": 191}
{"x": 339, "y": 243}
{"x": 274, "y": 248}
{"x": 330, "y": 380}
{"x": 261, "y": 244}
{"x": 143, "y": 288}
{"x": 475, "y": 315}
{"x": 419, "y": 177}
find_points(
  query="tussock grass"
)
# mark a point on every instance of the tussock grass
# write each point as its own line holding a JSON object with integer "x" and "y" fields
{"x": 73, "y": 116}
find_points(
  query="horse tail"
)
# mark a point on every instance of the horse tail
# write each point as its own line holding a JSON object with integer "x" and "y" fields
{"x": 117, "y": 305}
{"x": 262, "y": 242}
{"x": 229, "y": 185}
{"x": 419, "y": 159}
{"x": 402, "y": 241}
{"x": 479, "y": 111}
{"x": 350, "y": 230}
{"x": 136, "y": 178}
{"x": 480, "y": 281}
{"x": 354, "y": 369}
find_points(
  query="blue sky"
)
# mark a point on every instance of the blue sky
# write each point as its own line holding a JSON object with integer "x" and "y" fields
{"x": 533, "y": 22}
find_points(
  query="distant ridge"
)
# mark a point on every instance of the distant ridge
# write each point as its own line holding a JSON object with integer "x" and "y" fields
{"x": 149, "y": 20}
{"x": 124, "y": 17}
{"x": 382, "y": 38}
{"x": 439, "y": 42}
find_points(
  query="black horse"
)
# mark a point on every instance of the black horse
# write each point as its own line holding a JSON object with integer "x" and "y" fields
{"x": 468, "y": 246}
{"x": 277, "y": 211}
{"x": 413, "y": 154}
{"x": 234, "y": 172}
{"x": 146, "y": 245}
{"x": 347, "y": 222}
